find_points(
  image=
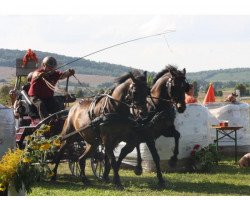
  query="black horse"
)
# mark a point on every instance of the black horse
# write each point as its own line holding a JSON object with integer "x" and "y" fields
{"x": 167, "y": 94}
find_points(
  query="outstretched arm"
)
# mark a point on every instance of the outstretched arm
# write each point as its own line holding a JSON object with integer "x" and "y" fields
{"x": 67, "y": 73}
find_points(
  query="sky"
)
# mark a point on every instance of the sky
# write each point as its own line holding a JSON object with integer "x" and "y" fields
{"x": 194, "y": 40}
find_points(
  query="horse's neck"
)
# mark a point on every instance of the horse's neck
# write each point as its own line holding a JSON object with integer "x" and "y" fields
{"x": 117, "y": 103}
{"x": 121, "y": 91}
{"x": 159, "y": 93}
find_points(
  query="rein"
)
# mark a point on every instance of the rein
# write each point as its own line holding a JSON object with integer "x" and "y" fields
{"x": 109, "y": 96}
{"x": 53, "y": 88}
{"x": 162, "y": 99}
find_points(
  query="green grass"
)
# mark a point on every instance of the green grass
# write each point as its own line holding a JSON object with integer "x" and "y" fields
{"x": 226, "y": 179}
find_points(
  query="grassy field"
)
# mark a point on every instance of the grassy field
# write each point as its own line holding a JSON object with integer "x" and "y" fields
{"x": 226, "y": 179}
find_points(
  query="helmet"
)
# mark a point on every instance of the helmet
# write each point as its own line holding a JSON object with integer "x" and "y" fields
{"x": 49, "y": 61}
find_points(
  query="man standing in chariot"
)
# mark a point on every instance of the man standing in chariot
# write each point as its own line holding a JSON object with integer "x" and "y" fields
{"x": 41, "y": 86}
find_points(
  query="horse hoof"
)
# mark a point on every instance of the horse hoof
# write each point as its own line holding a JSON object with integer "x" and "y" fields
{"x": 106, "y": 179}
{"x": 53, "y": 179}
{"x": 119, "y": 187}
{"x": 86, "y": 182}
{"x": 172, "y": 163}
{"x": 138, "y": 171}
{"x": 161, "y": 185}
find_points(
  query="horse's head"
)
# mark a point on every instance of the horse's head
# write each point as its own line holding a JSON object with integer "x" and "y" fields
{"x": 133, "y": 88}
{"x": 174, "y": 86}
{"x": 138, "y": 91}
{"x": 177, "y": 86}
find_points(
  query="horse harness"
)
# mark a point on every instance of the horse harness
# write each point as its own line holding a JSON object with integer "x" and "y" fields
{"x": 104, "y": 118}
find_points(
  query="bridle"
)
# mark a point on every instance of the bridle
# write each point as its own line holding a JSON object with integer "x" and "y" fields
{"x": 169, "y": 84}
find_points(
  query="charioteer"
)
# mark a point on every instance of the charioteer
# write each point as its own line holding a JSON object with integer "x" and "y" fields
{"x": 40, "y": 91}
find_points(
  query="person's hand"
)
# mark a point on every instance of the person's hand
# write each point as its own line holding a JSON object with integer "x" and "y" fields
{"x": 71, "y": 72}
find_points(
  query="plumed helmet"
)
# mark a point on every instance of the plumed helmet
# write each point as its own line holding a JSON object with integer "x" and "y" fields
{"x": 49, "y": 61}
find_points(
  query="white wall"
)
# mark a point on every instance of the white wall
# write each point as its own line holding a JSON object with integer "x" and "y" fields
{"x": 237, "y": 115}
{"x": 195, "y": 126}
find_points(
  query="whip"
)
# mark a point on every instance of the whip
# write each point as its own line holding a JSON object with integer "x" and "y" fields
{"x": 115, "y": 45}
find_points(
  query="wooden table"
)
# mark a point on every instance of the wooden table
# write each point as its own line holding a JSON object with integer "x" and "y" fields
{"x": 227, "y": 131}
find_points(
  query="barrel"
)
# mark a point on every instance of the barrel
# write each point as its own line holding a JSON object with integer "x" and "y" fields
{"x": 7, "y": 130}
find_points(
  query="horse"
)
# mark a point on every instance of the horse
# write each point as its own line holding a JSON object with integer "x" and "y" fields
{"x": 89, "y": 120}
{"x": 167, "y": 93}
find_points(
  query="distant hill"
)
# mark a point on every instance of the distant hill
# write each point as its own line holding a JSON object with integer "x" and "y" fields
{"x": 8, "y": 73}
{"x": 87, "y": 67}
{"x": 222, "y": 75}
{"x": 83, "y": 66}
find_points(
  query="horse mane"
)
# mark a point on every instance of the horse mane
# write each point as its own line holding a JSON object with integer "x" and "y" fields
{"x": 136, "y": 73}
{"x": 168, "y": 69}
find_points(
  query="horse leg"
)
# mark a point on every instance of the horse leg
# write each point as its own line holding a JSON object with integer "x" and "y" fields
{"x": 151, "y": 145}
{"x": 126, "y": 150}
{"x": 82, "y": 162}
{"x": 138, "y": 167}
{"x": 109, "y": 149}
{"x": 107, "y": 168}
{"x": 57, "y": 159}
{"x": 173, "y": 160}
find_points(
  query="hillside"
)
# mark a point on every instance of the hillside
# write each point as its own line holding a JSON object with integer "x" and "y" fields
{"x": 87, "y": 67}
{"x": 222, "y": 75}
{"x": 8, "y": 73}
{"x": 83, "y": 66}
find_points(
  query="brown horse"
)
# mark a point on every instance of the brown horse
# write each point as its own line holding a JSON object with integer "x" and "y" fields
{"x": 91, "y": 119}
{"x": 167, "y": 93}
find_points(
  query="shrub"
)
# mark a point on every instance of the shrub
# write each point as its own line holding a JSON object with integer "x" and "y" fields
{"x": 204, "y": 158}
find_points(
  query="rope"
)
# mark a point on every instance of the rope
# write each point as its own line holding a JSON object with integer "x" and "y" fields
{"x": 83, "y": 85}
{"x": 53, "y": 88}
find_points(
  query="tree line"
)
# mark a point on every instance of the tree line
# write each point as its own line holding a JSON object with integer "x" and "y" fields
{"x": 82, "y": 66}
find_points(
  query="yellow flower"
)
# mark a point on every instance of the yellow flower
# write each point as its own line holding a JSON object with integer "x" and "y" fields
{"x": 45, "y": 146}
{"x": 39, "y": 132}
{"x": 2, "y": 187}
{"x": 35, "y": 147}
{"x": 29, "y": 138}
{"x": 56, "y": 143}
{"x": 9, "y": 165}
{"x": 46, "y": 128}
{"x": 26, "y": 160}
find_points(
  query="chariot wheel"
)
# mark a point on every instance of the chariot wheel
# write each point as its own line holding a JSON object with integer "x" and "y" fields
{"x": 74, "y": 168}
{"x": 74, "y": 153}
{"x": 97, "y": 162}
